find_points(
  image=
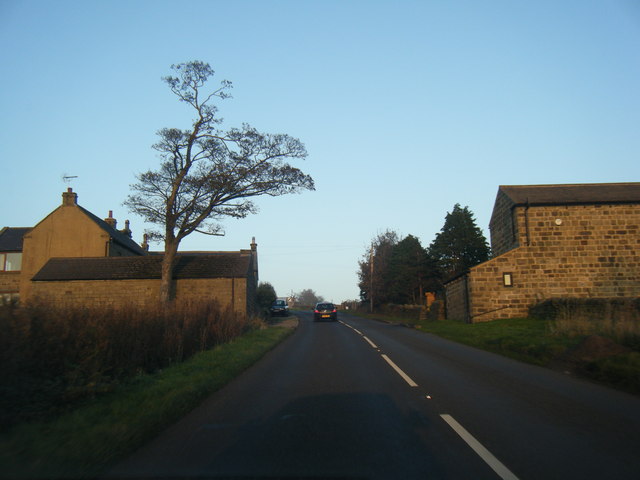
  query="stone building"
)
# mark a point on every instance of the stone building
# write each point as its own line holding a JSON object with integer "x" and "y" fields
{"x": 72, "y": 231}
{"x": 10, "y": 262}
{"x": 74, "y": 257}
{"x": 553, "y": 241}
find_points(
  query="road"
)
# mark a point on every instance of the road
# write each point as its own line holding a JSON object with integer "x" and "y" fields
{"x": 364, "y": 399}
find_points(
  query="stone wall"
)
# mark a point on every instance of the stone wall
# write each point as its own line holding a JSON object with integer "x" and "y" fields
{"x": 228, "y": 291}
{"x": 575, "y": 251}
{"x": 503, "y": 229}
{"x": 456, "y": 299}
{"x": 9, "y": 282}
{"x": 105, "y": 293}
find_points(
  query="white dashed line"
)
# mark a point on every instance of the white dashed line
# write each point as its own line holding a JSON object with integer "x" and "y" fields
{"x": 370, "y": 342}
{"x": 398, "y": 370}
{"x": 405, "y": 377}
{"x": 497, "y": 466}
{"x": 352, "y": 328}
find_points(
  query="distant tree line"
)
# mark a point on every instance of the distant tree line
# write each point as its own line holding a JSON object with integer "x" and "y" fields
{"x": 266, "y": 295}
{"x": 400, "y": 270}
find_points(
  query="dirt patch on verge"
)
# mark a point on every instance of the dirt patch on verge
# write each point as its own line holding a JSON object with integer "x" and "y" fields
{"x": 591, "y": 349}
{"x": 287, "y": 322}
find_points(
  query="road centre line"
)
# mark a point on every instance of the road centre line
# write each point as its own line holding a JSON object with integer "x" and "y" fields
{"x": 495, "y": 464}
{"x": 370, "y": 342}
{"x": 404, "y": 376}
{"x": 352, "y": 328}
{"x": 398, "y": 370}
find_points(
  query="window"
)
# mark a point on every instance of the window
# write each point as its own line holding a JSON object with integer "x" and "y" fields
{"x": 10, "y": 262}
{"x": 507, "y": 279}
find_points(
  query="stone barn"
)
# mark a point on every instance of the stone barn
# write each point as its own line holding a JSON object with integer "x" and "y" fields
{"x": 553, "y": 241}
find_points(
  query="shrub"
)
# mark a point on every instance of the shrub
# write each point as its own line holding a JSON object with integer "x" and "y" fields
{"x": 615, "y": 318}
{"x": 53, "y": 357}
{"x": 408, "y": 312}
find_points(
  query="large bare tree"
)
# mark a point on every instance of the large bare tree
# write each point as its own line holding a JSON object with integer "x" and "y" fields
{"x": 207, "y": 173}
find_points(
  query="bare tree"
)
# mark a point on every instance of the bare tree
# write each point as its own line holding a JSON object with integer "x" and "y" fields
{"x": 308, "y": 297}
{"x": 374, "y": 269}
{"x": 206, "y": 173}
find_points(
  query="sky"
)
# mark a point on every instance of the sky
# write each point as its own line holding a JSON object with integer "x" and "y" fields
{"x": 405, "y": 107}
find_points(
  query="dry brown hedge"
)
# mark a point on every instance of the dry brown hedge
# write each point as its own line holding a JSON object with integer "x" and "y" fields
{"x": 52, "y": 357}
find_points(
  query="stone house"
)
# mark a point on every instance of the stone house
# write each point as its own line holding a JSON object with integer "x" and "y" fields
{"x": 74, "y": 257}
{"x": 10, "y": 262}
{"x": 72, "y": 231}
{"x": 553, "y": 241}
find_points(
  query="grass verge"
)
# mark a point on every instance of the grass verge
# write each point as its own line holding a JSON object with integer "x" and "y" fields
{"x": 86, "y": 441}
{"x": 523, "y": 339}
{"x": 538, "y": 342}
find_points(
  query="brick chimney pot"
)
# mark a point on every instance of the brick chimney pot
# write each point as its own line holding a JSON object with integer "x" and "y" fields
{"x": 69, "y": 198}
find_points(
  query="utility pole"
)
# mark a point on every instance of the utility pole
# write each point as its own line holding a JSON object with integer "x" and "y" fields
{"x": 371, "y": 280}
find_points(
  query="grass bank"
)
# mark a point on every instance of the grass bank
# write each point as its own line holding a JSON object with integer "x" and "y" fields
{"x": 84, "y": 442}
{"x": 549, "y": 343}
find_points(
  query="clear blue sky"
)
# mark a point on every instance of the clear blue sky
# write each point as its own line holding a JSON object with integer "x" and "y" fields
{"x": 406, "y": 108}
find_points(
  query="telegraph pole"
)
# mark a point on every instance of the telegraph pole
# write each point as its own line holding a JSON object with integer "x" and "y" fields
{"x": 371, "y": 279}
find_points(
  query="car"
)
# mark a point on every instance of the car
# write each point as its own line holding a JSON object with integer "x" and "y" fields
{"x": 279, "y": 307}
{"x": 325, "y": 311}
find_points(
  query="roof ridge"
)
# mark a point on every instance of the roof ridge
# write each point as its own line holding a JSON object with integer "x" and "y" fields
{"x": 540, "y": 185}
{"x": 572, "y": 194}
{"x": 143, "y": 267}
{"x": 116, "y": 234}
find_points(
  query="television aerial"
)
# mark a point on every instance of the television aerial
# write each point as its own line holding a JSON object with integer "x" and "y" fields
{"x": 67, "y": 178}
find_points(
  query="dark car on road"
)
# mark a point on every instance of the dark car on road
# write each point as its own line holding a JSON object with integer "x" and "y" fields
{"x": 325, "y": 311}
{"x": 279, "y": 307}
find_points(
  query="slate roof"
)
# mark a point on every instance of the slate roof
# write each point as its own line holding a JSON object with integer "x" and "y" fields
{"x": 116, "y": 235}
{"x": 229, "y": 265}
{"x": 11, "y": 238}
{"x": 573, "y": 194}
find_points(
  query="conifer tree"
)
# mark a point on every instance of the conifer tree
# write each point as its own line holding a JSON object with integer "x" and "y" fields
{"x": 460, "y": 244}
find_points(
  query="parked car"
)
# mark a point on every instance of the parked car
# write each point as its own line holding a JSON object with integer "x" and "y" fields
{"x": 325, "y": 311}
{"x": 279, "y": 307}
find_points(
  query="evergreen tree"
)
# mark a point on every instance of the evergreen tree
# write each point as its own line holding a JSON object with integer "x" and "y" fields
{"x": 265, "y": 294}
{"x": 407, "y": 271}
{"x": 460, "y": 244}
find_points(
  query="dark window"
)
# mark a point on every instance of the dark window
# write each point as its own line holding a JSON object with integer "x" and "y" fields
{"x": 325, "y": 306}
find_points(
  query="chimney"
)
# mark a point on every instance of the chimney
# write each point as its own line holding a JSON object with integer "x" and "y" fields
{"x": 111, "y": 221}
{"x": 145, "y": 242}
{"x": 69, "y": 198}
{"x": 254, "y": 255}
{"x": 127, "y": 230}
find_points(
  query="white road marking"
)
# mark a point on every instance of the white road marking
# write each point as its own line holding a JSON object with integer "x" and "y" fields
{"x": 352, "y": 328}
{"x": 370, "y": 342}
{"x": 497, "y": 466}
{"x": 400, "y": 372}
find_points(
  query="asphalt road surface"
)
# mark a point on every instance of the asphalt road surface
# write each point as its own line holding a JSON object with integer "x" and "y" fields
{"x": 363, "y": 399}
